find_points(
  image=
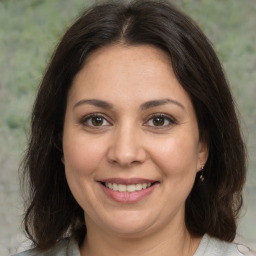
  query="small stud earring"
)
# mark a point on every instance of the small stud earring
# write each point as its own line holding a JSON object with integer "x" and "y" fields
{"x": 202, "y": 174}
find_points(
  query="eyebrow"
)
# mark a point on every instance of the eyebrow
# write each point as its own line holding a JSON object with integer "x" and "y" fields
{"x": 144, "y": 106}
{"x": 156, "y": 103}
{"x": 94, "y": 102}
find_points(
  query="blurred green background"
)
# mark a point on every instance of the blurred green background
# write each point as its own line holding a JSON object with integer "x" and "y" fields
{"x": 29, "y": 31}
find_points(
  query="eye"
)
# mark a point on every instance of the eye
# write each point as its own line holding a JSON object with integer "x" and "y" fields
{"x": 160, "y": 120}
{"x": 95, "y": 120}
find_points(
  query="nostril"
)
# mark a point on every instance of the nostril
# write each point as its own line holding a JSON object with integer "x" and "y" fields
{"x": 112, "y": 161}
{"x": 123, "y": 161}
{"x": 134, "y": 162}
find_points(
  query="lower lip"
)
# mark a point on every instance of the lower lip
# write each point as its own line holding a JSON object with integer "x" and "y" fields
{"x": 128, "y": 197}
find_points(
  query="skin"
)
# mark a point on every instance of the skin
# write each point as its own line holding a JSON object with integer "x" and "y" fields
{"x": 130, "y": 143}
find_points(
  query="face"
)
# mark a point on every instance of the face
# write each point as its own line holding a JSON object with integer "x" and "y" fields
{"x": 131, "y": 141}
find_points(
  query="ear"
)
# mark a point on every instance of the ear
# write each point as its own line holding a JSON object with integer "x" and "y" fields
{"x": 203, "y": 153}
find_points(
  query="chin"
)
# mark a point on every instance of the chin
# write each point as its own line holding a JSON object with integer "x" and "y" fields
{"x": 130, "y": 226}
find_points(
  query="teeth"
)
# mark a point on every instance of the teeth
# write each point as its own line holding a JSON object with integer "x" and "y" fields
{"x": 139, "y": 187}
{"x": 127, "y": 188}
{"x": 115, "y": 186}
{"x": 121, "y": 188}
{"x": 130, "y": 188}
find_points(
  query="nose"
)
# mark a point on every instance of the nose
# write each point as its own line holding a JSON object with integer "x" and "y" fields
{"x": 126, "y": 148}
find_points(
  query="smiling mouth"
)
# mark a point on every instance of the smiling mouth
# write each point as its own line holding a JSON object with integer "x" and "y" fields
{"x": 128, "y": 188}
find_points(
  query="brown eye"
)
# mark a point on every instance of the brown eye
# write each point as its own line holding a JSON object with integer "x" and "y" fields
{"x": 97, "y": 120}
{"x": 94, "y": 121}
{"x": 158, "y": 121}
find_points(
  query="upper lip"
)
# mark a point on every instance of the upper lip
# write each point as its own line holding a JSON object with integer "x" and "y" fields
{"x": 127, "y": 181}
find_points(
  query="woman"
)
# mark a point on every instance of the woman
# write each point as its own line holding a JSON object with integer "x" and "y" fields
{"x": 135, "y": 144}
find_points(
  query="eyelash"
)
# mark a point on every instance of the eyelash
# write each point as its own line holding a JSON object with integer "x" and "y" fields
{"x": 84, "y": 120}
{"x": 168, "y": 118}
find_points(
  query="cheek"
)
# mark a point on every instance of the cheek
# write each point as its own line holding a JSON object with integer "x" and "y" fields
{"x": 176, "y": 155}
{"x": 81, "y": 156}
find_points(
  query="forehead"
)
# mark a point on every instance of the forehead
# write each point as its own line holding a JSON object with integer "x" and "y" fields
{"x": 119, "y": 59}
{"x": 129, "y": 52}
{"x": 127, "y": 73}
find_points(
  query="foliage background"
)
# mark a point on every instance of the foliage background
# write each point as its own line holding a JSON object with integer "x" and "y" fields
{"x": 29, "y": 31}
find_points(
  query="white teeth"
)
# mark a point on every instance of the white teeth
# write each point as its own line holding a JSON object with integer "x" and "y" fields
{"x": 139, "y": 187}
{"x": 127, "y": 188}
{"x": 122, "y": 188}
{"x": 115, "y": 187}
{"x": 131, "y": 188}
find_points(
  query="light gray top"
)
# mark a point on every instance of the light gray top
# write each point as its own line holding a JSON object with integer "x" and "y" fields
{"x": 66, "y": 247}
{"x": 208, "y": 247}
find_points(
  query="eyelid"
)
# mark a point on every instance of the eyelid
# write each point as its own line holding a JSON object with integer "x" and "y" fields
{"x": 170, "y": 118}
{"x": 85, "y": 118}
{"x": 167, "y": 117}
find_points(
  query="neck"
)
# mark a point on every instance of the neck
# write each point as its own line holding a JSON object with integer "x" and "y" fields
{"x": 165, "y": 242}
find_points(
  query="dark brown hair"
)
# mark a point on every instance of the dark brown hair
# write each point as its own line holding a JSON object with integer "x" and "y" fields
{"x": 212, "y": 206}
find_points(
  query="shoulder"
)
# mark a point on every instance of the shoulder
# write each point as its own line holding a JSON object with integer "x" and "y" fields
{"x": 210, "y": 246}
{"x": 65, "y": 247}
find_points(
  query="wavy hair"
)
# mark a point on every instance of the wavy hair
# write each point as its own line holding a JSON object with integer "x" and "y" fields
{"x": 212, "y": 206}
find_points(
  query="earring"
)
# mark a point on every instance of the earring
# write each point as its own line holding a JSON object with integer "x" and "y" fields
{"x": 202, "y": 174}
